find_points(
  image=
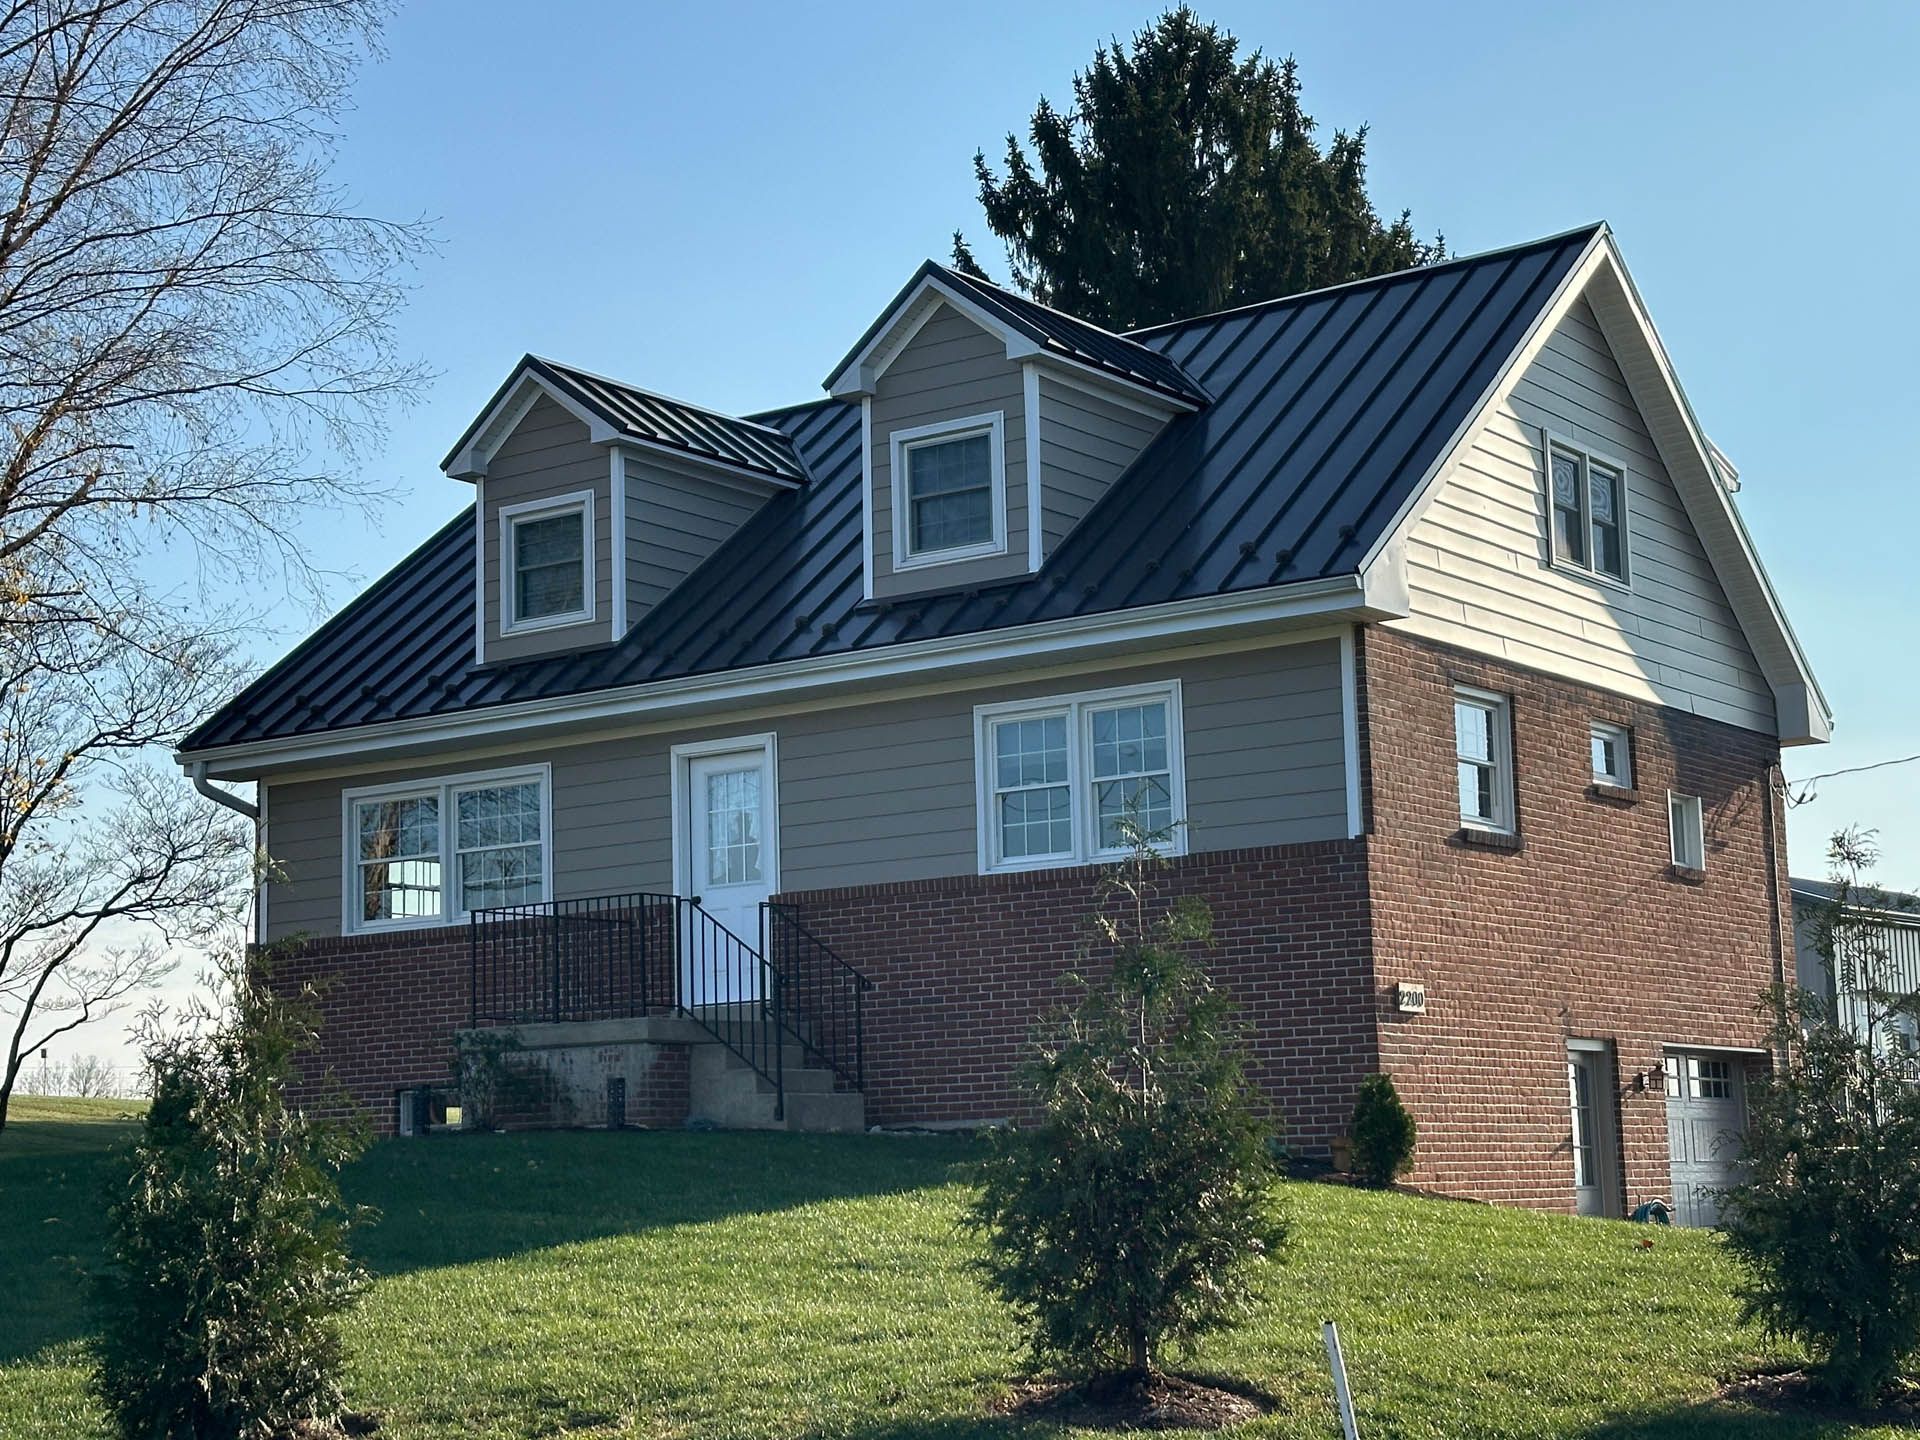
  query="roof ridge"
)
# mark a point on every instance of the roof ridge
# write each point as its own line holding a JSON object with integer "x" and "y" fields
{"x": 999, "y": 289}
{"x": 571, "y": 369}
{"x": 1591, "y": 227}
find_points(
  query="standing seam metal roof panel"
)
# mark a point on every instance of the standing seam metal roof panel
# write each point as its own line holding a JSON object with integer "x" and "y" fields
{"x": 1328, "y": 409}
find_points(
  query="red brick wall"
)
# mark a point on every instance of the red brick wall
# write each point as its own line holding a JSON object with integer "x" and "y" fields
{"x": 1582, "y": 931}
{"x": 389, "y": 1007}
{"x": 962, "y": 967}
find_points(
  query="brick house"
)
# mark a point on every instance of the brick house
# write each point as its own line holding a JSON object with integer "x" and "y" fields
{"x": 763, "y": 768}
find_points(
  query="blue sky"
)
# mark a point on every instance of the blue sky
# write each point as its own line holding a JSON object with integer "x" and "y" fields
{"x": 714, "y": 200}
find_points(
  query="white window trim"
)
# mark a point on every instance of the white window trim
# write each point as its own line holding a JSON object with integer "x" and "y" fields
{"x": 1076, "y": 708}
{"x": 544, "y": 509}
{"x": 1673, "y": 833}
{"x": 1502, "y": 736}
{"x": 1622, "y": 736}
{"x": 444, "y": 787}
{"x": 900, "y": 442}
{"x": 1550, "y": 441}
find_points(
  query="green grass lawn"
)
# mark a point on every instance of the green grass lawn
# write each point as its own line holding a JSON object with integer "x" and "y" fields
{"x": 776, "y": 1285}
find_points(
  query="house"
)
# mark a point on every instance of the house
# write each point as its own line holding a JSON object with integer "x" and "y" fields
{"x": 763, "y": 767}
{"x": 1881, "y": 931}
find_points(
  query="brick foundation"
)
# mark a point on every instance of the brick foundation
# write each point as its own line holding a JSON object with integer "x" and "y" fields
{"x": 962, "y": 967}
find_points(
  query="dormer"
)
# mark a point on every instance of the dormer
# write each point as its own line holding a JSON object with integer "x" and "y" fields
{"x": 990, "y": 425}
{"x": 593, "y": 499}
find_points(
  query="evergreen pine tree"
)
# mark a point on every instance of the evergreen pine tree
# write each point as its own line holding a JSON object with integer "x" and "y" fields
{"x": 1184, "y": 180}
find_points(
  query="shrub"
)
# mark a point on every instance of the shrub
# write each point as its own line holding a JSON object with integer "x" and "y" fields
{"x": 227, "y": 1238}
{"x": 1383, "y": 1132}
{"x": 1826, "y": 1220}
{"x": 1138, "y": 1211}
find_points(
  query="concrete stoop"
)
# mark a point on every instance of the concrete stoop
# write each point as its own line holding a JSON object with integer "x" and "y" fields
{"x": 724, "y": 1090}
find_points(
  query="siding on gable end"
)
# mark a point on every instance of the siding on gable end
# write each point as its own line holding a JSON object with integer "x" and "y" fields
{"x": 548, "y": 453}
{"x": 881, "y": 792}
{"x": 1086, "y": 442}
{"x": 676, "y": 518}
{"x": 951, "y": 369}
{"x": 1477, "y": 560}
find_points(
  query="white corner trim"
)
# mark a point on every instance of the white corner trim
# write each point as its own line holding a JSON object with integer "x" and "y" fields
{"x": 993, "y": 424}
{"x": 1030, "y": 409}
{"x": 506, "y": 517}
{"x": 442, "y": 787}
{"x": 1076, "y": 706}
{"x": 866, "y": 495}
{"x": 480, "y": 570}
{"x": 617, "y": 539}
{"x": 263, "y": 855}
{"x": 679, "y": 788}
{"x": 1350, "y": 732}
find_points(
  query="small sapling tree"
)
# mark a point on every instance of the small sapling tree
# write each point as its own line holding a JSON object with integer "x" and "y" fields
{"x": 229, "y": 1269}
{"x": 1827, "y": 1217}
{"x": 1138, "y": 1210}
{"x": 1383, "y": 1133}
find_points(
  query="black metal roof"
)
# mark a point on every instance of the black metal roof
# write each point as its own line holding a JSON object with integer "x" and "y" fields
{"x": 660, "y": 420}
{"x": 1327, "y": 410}
{"x": 1052, "y": 330}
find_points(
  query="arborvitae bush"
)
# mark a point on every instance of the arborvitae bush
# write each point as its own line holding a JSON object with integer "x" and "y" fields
{"x": 1139, "y": 1210}
{"x": 1382, "y": 1132}
{"x": 1826, "y": 1219}
{"x": 229, "y": 1269}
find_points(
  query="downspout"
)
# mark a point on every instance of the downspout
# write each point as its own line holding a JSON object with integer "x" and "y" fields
{"x": 198, "y": 774}
{"x": 1775, "y": 773}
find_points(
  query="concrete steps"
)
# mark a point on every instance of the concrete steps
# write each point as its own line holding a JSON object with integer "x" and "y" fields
{"x": 724, "y": 1090}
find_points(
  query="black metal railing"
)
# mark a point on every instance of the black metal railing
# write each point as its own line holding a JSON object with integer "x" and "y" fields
{"x": 614, "y": 957}
{"x": 818, "y": 997}
{"x": 728, "y": 988}
{"x": 606, "y": 957}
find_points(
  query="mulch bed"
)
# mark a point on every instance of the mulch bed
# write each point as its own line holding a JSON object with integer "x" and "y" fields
{"x": 1138, "y": 1402}
{"x": 1795, "y": 1391}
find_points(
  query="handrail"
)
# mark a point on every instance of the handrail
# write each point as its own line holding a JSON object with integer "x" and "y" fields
{"x": 621, "y": 956}
{"x": 820, "y": 998}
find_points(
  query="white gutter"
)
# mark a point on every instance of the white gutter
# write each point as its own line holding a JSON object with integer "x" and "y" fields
{"x": 1379, "y": 595}
{"x": 198, "y": 773}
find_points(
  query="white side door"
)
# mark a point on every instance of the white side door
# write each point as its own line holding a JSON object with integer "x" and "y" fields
{"x": 729, "y": 862}
{"x": 1595, "y": 1144}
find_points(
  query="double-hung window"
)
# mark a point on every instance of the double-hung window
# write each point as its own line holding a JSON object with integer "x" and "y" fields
{"x": 950, "y": 490}
{"x": 1687, "y": 831}
{"x": 1483, "y": 759}
{"x": 546, "y": 562}
{"x": 432, "y": 852}
{"x": 1587, "y": 506}
{"x": 1079, "y": 778}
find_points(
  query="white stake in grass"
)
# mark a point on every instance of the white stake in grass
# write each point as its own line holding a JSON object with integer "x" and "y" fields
{"x": 1330, "y": 1333}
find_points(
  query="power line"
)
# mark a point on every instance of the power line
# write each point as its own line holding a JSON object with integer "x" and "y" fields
{"x": 1806, "y": 786}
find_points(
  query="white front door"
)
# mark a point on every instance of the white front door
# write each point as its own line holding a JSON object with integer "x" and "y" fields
{"x": 729, "y": 865}
{"x": 1590, "y": 1101}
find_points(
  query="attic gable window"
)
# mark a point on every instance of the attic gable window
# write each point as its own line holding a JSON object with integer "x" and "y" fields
{"x": 949, "y": 491}
{"x": 546, "y": 550}
{"x": 1587, "y": 506}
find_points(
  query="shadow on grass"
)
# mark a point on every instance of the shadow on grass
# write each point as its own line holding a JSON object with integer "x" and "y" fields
{"x": 448, "y": 1200}
{"x": 55, "y": 1178}
{"x": 452, "y": 1200}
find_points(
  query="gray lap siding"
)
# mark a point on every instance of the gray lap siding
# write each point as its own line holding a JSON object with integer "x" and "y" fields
{"x": 882, "y": 792}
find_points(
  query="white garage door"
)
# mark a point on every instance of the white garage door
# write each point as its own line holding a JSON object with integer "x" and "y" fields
{"x": 1706, "y": 1113}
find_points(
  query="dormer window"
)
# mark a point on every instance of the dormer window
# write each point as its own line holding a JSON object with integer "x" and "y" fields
{"x": 548, "y": 545}
{"x": 952, "y": 490}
